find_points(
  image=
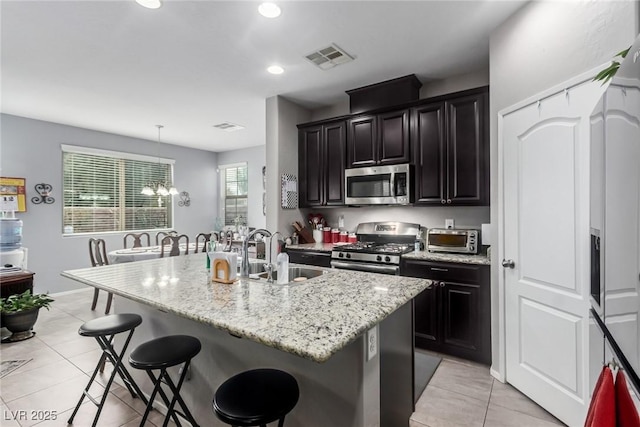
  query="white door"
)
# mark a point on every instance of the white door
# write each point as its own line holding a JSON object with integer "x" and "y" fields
{"x": 545, "y": 188}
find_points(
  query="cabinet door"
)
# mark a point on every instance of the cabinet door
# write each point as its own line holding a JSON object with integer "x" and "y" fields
{"x": 429, "y": 153}
{"x": 393, "y": 134}
{"x": 425, "y": 315}
{"x": 467, "y": 156}
{"x": 310, "y": 164}
{"x": 335, "y": 139}
{"x": 361, "y": 142}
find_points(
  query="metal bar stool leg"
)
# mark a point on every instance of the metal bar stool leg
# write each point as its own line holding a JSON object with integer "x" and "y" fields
{"x": 175, "y": 389}
{"x": 120, "y": 367}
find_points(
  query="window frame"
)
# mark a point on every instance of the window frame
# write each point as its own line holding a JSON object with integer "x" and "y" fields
{"x": 223, "y": 191}
{"x": 120, "y": 155}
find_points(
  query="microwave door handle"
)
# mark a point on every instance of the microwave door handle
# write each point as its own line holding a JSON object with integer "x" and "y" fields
{"x": 393, "y": 184}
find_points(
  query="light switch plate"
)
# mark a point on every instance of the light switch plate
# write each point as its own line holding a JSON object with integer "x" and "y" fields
{"x": 448, "y": 223}
{"x": 341, "y": 221}
{"x": 372, "y": 342}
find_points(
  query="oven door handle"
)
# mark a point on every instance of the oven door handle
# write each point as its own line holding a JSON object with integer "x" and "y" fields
{"x": 371, "y": 268}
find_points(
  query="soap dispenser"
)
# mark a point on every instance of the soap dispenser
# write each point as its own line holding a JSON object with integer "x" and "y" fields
{"x": 282, "y": 268}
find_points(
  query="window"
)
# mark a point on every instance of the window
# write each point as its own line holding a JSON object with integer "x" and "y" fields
{"x": 235, "y": 188}
{"x": 101, "y": 191}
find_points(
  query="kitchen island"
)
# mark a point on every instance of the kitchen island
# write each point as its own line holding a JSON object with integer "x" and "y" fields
{"x": 318, "y": 330}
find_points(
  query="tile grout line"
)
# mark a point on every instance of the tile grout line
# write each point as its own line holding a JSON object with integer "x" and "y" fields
{"x": 486, "y": 411}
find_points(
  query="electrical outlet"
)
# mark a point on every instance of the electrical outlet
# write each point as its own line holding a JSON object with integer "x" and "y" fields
{"x": 341, "y": 221}
{"x": 372, "y": 343}
{"x": 448, "y": 223}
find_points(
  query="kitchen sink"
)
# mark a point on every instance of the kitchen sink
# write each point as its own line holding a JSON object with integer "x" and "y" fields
{"x": 296, "y": 274}
{"x": 255, "y": 267}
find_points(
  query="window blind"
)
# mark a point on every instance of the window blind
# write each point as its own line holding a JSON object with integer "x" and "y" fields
{"x": 236, "y": 190}
{"x": 101, "y": 193}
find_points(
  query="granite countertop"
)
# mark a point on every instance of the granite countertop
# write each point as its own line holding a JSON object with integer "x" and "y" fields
{"x": 312, "y": 319}
{"x": 481, "y": 259}
{"x": 317, "y": 247}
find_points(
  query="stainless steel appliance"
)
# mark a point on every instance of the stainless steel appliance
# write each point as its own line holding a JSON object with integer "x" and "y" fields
{"x": 379, "y": 247}
{"x": 378, "y": 185}
{"x": 462, "y": 241}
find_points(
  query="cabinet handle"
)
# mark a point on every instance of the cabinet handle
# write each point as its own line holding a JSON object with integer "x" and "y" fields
{"x": 449, "y": 201}
{"x": 443, "y": 201}
{"x": 442, "y": 284}
{"x": 439, "y": 269}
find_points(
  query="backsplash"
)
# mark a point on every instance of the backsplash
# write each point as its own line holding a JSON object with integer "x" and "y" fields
{"x": 427, "y": 216}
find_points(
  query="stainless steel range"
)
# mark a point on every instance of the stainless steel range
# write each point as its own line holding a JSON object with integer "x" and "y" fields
{"x": 379, "y": 247}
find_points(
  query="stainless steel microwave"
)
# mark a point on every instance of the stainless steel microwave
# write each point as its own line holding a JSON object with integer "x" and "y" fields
{"x": 378, "y": 185}
{"x": 452, "y": 241}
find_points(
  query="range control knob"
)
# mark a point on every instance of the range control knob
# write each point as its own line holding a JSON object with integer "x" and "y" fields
{"x": 387, "y": 258}
{"x": 378, "y": 258}
{"x": 348, "y": 255}
{"x": 341, "y": 255}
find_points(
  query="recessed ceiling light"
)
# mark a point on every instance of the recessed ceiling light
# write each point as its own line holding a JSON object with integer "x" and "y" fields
{"x": 275, "y": 69}
{"x": 269, "y": 10}
{"x": 149, "y": 4}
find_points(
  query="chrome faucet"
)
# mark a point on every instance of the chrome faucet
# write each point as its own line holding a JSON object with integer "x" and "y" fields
{"x": 244, "y": 266}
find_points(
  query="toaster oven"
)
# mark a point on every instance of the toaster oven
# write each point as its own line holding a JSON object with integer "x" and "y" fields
{"x": 462, "y": 241}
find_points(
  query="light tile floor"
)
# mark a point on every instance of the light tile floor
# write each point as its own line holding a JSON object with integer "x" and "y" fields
{"x": 460, "y": 393}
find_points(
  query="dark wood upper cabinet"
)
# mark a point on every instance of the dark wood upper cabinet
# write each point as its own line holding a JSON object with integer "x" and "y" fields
{"x": 451, "y": 150}
{"x": 321, "y": 164}
{"x": 381, "y": 139}
{"x": 393, "y": 142}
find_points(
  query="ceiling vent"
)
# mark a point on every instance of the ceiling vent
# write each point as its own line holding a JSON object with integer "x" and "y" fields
{"x": 228, "y": 127}
{"x": 329, "y": 57}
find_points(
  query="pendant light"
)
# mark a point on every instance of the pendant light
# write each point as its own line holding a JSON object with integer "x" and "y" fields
{"x": 159, "y": 187}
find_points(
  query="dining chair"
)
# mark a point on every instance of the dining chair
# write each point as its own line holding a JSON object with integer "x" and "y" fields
{"x": 205, "y": 237}
{"x": 162, "y": 234}
{"x": 174, "y": 242}
{"x": 137, "y": 239}
{"x": 98, "y": 256}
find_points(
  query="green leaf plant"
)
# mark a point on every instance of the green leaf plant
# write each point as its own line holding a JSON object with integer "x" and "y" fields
{"x": 24, "y": 301}
{"x": 608, "y": 73}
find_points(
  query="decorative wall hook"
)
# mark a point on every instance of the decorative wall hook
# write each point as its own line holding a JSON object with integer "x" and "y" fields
{"x": 184, "y": 199}
{"x": 44, "y": 191}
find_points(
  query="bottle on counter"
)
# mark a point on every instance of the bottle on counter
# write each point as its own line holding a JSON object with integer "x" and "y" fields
{"x": 282, "y": 268}
{"x": 417, "y": 245}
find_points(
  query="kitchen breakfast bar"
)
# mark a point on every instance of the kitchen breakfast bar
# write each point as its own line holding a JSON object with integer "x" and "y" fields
{"x": 347, "y": 337}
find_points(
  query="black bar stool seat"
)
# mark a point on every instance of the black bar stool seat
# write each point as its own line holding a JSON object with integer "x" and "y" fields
{"x": 256, "y": 397}
{"x": 160, "y": 354}
{"x": 104, "y": 329}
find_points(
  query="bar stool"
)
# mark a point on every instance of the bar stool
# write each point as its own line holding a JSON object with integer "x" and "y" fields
{"x": 104, "y": 329}
{"x": 256, "y": 397}
{"x": 160, "y": 354}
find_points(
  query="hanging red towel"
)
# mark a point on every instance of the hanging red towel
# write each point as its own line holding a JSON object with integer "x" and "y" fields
{"x": 602, "y": 410}
{"x": 626, "y": 412}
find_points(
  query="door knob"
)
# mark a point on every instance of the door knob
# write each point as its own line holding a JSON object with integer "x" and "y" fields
{"x": 508, "y": 263}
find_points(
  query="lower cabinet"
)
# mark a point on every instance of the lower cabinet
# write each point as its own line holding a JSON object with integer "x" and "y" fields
{"x": 453, "y": 316}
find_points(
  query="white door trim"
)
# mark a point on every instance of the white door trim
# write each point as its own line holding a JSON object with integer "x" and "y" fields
{"x": 499, "y": 371}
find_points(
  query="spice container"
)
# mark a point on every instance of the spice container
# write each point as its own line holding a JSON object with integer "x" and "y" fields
{"x": 352, "y": 238}
{"x": 344, "y": 236}
{"x": 335, "y": 235}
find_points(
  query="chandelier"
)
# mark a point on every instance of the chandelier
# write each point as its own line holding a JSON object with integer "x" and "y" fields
{"x": 160, "y": 188}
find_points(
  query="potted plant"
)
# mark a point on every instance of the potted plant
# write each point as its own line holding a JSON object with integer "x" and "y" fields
{"x": 19, "y": 312}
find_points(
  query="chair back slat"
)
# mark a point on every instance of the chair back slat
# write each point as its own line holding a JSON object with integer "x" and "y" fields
{"x": 205, "y": 238}
{"x": 137, "y": 239}
{"x": 173, "y": 242}
{"x": 98, "y": 252}
{"x": 162, "y": 234}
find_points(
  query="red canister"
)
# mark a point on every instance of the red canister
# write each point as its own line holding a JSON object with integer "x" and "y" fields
{"x": 352, "y": 238}
{"x": 344, "y": 236}
{"x": 326, "y": 235}
{"x": 335, "y": 235}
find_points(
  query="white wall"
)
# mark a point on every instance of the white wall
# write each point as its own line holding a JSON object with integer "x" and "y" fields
{"x": 255, "y": 157}
{"x": 282, "y": 157}
{"x": 31, "y": 149}
{"x": 542, "y": 45}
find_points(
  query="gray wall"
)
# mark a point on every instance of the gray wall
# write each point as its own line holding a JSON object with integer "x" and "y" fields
{"x": 256, "y": 159}
{"x": 31, "y": 149}
{"x": 540, "y": 46}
